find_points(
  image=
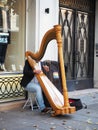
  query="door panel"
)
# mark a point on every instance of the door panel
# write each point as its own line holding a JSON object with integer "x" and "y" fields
{"x": 81, "y": 62}
{"x": 66, "y": 20}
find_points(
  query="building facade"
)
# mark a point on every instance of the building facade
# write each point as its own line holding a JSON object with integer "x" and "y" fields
{"x": 23, "y": 27}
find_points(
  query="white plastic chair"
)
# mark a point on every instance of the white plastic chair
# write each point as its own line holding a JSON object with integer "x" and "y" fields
{"x": 31, "y": 101}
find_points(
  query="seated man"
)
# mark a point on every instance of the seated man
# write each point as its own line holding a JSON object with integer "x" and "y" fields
{"x": 30, "y": 83}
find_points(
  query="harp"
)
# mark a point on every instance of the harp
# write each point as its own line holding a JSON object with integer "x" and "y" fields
{"x": 58, "y": 101}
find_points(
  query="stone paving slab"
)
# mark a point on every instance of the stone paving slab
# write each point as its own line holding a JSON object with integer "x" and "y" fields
{"x": 85, "y": 119}
{"x": 88, "y": 96}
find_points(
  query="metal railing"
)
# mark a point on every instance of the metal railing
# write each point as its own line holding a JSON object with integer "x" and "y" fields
{"x": 10, "y": 88}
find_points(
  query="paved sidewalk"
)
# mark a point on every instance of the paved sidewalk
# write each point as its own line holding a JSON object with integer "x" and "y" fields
{"x": 85, "y": 119}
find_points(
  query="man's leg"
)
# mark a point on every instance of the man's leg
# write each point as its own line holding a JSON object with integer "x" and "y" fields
{"x": 34, "y": 87}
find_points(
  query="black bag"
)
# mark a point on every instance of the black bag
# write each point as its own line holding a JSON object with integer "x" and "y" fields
{"x": 76, "y": 102}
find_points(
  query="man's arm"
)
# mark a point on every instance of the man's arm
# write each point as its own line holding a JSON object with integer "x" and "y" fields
{"x": 27, "y": 69}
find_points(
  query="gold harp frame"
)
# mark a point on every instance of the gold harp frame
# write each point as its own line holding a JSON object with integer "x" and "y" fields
{"x": 54, "y": 33}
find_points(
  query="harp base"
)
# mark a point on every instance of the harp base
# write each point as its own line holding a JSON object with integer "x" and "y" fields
{"x": 63, "y": 111}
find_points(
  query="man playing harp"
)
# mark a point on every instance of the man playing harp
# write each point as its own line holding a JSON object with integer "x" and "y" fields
{"x": 59, "y": 102}
{"x": 30, "y": 83}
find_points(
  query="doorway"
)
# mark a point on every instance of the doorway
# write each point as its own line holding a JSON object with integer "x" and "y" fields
{"x": 78, "y": 42}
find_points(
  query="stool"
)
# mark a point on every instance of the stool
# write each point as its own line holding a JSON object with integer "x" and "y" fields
{"x": 31, "y": 100}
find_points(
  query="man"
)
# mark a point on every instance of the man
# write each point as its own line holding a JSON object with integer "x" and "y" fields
{"x": 30, "y": 83}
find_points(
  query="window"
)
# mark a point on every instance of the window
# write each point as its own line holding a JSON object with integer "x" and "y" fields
{"x": 12, "y": 36}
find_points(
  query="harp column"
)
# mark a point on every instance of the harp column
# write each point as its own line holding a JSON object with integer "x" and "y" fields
{"x": 62, "y": 69}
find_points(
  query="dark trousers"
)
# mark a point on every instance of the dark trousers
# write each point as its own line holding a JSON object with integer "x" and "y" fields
{"x": 3, "y": 48}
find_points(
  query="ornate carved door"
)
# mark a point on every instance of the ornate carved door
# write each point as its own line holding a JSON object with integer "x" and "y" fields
{"x": 77, "y": 20}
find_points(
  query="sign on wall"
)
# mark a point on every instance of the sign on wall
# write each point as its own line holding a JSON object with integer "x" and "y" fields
{"x": 4, "y": 38}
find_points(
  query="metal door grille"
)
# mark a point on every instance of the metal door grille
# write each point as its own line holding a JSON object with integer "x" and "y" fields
{"x": 66, "y": 20}
{"x": 81, "y": 62}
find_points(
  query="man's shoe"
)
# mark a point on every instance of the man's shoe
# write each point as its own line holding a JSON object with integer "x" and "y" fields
{"x": 46, "y": 110}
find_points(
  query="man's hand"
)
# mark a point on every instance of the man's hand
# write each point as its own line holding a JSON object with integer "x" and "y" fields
{"x": 46, "y": 68}
{"x": 37, "y": 71}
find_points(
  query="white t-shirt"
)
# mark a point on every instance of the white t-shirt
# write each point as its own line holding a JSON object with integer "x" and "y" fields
{"x": 34, "y": 78}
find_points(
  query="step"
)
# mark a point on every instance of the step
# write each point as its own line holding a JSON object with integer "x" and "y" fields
{"x": 12, "y": 105}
